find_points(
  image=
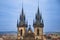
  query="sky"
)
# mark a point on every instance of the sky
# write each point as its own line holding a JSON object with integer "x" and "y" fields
{"x": 10, "y": 11}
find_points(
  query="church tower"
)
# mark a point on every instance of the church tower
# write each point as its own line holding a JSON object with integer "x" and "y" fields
{"x": 22, "y": 25}
{"x": 38, "y": 26}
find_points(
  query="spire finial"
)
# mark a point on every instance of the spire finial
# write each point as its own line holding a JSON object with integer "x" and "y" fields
{"x": 22, "y": 6}
{"x": 38, "y": 3}
{"x": 38, "y": 6}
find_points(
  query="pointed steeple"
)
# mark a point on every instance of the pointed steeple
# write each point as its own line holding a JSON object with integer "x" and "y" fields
{"x": 38, "y": 8}
{"x": 38, "y": 17}
{"x": 22, "y": 18}
{"x": 22, "y": 15}
{"x": 22, "y": 9}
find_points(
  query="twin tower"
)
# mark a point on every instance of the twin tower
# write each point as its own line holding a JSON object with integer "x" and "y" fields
{"x": 38, "y": 25}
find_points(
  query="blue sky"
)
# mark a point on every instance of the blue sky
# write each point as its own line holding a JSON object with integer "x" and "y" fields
{"x": 10, "y": 11}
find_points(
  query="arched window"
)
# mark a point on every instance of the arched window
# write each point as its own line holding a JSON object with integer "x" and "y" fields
{"x": 21, "y": 32}
{"x": 38, "y": 32}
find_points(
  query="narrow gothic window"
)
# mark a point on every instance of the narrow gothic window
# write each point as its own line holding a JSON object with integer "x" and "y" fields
{"x": 37, "y": 31}
{"x": 21, "y": 32}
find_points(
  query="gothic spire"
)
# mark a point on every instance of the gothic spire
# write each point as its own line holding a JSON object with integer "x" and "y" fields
{"x": 22, "y": 9}
{"x": 38, "y": 17}
{"x": 38, "y": 7}
{"x": 22, "y": 16}
{"x": 22, "y": 21}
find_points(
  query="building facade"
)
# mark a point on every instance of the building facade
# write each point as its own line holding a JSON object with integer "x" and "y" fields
{"x": 22, "y": 25}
